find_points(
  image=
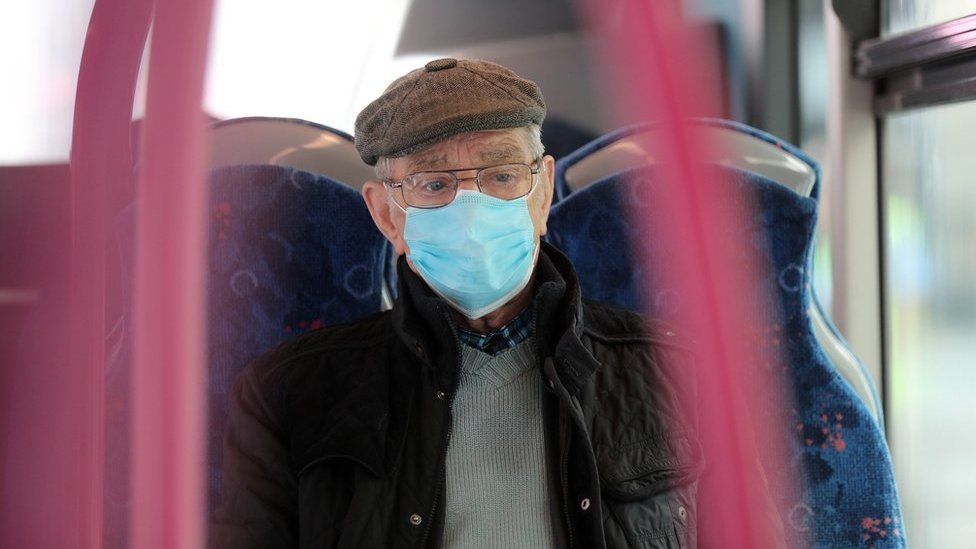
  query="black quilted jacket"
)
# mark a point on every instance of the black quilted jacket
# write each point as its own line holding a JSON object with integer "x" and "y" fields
{"x": 338, "y": 437}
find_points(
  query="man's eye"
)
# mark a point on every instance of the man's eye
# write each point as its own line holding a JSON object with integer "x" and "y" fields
{"x": 433, "y": 186}
{"x": 503, "y": 178}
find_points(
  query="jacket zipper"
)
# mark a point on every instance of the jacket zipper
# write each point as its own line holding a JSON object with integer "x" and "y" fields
{"x": 563, "y": 436}
{"x": 442, "y": 463}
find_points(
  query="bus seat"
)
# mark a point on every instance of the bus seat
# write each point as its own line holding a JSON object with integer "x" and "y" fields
{"x": 296, "y": 143}
{"x": 288, "y": 142}
{"x": 745, "y": 148}
{"x": 849, "y": 497}
{"x": 289, "y": 251}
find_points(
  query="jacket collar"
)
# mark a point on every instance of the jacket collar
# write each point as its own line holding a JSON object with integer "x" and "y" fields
{"x": 422, "y": 321}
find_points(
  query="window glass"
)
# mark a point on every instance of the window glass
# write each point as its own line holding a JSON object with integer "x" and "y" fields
{"x": 320, "y": 61}
{"x": 929, "y": 198}
{"x": 906, "y": 15}
{"x": 41, "y": 43}
{"x": 812, "y": 45}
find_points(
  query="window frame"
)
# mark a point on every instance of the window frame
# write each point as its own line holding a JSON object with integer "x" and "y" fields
{"x": 931, "y": 66}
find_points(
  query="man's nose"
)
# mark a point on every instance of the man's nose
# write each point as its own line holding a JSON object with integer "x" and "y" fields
{"x": 469, "y": 183}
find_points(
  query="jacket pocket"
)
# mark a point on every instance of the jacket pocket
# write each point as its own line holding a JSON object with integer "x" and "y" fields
{"x": 649, "y": 489}
{"x": 340, "y": 504}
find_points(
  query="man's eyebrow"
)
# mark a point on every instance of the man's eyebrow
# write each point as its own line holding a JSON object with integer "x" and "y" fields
{"x": 503, "y": 153}
{"x": 427, "y": 162}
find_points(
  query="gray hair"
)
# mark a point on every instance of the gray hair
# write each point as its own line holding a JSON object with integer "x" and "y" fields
{"x": 531, "y": 133}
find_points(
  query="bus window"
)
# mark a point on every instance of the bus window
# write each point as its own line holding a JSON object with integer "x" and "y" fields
{"x": 929, "y": 199}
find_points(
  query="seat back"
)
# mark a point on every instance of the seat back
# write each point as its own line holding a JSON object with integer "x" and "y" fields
{"x": 738, "y": 146}
{"x": 295, "y": 143}
{"x": 849, "y": 496}
{"x": 288, "y": 142}
{"x": 290, "y": 251}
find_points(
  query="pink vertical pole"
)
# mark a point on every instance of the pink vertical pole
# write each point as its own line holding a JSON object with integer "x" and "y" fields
{"x": 53, "y": 471}
{"x": 169, "y": 382}
{"x": 659, "y": 72}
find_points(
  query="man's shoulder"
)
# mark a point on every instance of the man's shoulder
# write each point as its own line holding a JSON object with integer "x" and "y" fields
{"x": 615, "y": 325}
{"x": 645, "y": 359}
{"x": 322, "y": 390}
{"x": 306, "y": 354}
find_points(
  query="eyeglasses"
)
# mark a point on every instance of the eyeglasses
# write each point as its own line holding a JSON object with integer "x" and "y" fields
{"x": 436, "y": 189}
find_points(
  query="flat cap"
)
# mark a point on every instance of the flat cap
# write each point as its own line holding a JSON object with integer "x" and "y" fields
{"x": 444, "y": 98}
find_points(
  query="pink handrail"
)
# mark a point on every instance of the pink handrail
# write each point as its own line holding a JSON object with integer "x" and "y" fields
{"x": 100, "y": 172}
{"x": 170, "y": 288}
{"x": 659, "y": 71}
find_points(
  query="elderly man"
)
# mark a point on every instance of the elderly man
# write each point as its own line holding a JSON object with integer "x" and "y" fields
{"x": 492, "y": 406}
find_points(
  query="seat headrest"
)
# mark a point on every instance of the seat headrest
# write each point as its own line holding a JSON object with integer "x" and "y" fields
{"x": 729, "y": 144}
{"x": 288, "y": 142}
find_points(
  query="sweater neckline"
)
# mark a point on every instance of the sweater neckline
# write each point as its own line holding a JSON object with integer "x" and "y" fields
{"x": 500, "y": 369}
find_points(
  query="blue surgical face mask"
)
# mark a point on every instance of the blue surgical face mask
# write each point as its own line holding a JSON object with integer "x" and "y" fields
{"x": 477, "y": 252}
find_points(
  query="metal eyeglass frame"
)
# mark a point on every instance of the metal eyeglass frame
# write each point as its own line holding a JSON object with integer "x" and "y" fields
{"x": 537, "y": 163}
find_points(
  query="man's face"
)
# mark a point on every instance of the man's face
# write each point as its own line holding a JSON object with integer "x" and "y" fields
{"x": 462, "y": 152}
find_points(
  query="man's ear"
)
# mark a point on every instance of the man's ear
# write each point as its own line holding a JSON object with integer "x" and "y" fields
{"x": 378, "y": 201}
{"x": 548, "y": 175}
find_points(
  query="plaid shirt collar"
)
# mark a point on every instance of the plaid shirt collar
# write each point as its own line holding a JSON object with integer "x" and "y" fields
{"x": 500, "y": 339}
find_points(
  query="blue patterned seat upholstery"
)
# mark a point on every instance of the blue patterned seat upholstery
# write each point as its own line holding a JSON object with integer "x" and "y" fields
{"x": 849, "y": 498}
{"x": 289, "y": 251}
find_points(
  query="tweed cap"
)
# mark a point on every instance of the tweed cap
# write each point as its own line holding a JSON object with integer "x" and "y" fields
{"x": 444, "y": 98}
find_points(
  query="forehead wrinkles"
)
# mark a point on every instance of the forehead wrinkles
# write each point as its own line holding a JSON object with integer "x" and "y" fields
{"x": 479, "y": 148}
{"x": 493, "y": 147}
{"x": 427, "y": 161}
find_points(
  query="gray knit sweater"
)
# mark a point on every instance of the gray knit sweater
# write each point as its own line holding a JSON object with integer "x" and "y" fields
{"x": 497, "y": 494}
